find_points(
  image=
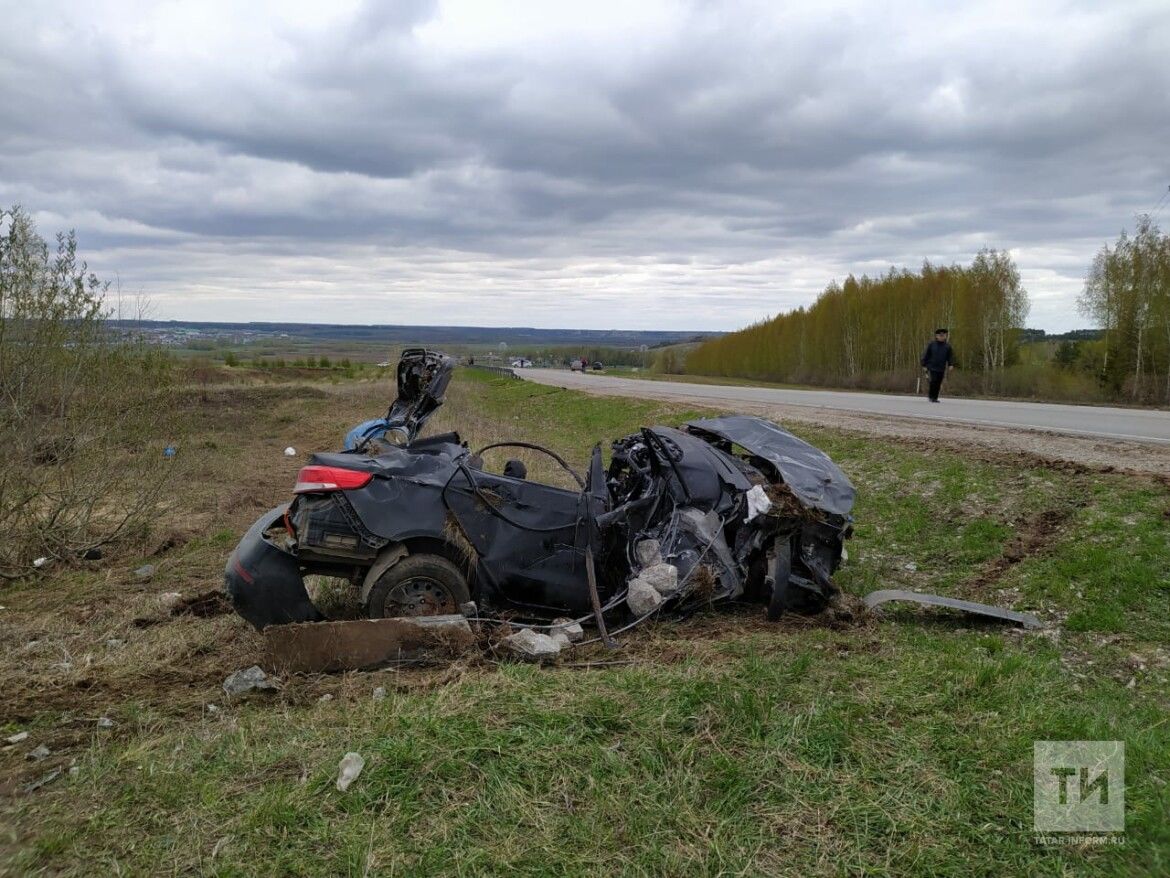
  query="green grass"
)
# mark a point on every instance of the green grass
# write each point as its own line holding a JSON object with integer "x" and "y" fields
{"x": 569, "y": 421}
{"x": 724, "y": 745}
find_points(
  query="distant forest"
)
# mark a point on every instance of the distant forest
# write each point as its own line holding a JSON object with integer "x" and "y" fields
{"x": 870, "y": 332}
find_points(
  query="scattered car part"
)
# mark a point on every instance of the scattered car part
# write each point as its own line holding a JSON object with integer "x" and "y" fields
{"x": 877, "y": 598}
{"x": 423, "y": 377}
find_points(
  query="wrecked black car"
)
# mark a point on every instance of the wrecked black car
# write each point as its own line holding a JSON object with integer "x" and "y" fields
{"x": 729, "y": 508}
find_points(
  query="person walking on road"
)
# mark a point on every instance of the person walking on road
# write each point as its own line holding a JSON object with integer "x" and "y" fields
{"x": 937, "y": 360}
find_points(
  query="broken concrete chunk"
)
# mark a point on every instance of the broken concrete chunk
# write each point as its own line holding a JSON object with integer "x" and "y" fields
{"x": 365, "y": 643}
{"x": 328, "y": 696}
{"x": 379, "y": 693}
{"x": 561, "y": 639}
{"x": 251, "y": 679}
{"x": 105, "y": 722}
{"x": 41, "y": 752}
{"x": 568, "y": 627}
{"x": 664, "y": 578}
{"x": 349, "y": 769}
{"x": 145, "y": 571}
{"x": 648, "y": 553}
{"x": 643, "y": 598}
{"x": 169, "y": 600}
{"x": 532, "y": 646}
{"x": 17, "y": 738}
{"x": 114, "y": 643}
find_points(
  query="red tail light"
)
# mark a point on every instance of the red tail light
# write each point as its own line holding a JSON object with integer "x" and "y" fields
{"x": 319, "y": 479}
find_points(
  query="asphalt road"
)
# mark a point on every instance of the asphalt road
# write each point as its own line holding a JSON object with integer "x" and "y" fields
{"x": 1103, "y": 422}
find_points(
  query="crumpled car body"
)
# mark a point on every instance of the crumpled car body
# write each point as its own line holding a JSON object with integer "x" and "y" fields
{"x": 738, "y": 506}
{"x": 422, "y": 379}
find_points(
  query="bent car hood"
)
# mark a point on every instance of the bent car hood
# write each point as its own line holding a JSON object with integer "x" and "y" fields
{"x": 813, "y": 477}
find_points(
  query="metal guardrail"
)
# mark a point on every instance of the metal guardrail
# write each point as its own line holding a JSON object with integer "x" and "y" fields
{"x": 502, "y": 371}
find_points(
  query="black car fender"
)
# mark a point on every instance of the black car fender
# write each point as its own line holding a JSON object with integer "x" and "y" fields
{"x": 263, "y": 580}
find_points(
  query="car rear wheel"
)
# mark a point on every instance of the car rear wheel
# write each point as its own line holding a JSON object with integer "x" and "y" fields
{"x": 419, "y": 585}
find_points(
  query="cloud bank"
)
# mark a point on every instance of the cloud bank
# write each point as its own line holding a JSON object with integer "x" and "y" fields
{"x": 601, "y": 165}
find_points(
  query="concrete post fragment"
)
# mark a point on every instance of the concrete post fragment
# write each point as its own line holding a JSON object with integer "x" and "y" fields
{"x": 365, "y": 643}
{"x": 251, "y": 679}
{"x": 663, "y": 577}
{"x": 528, "y": 645}
{"x": 572, "y": 630}
{"x": 348, "y": 770}
{"x": 648, "y": 553}
{"x": 643, "y": 598}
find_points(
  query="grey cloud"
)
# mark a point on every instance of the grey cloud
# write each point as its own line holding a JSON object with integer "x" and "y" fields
{"x": 734, "y": 161}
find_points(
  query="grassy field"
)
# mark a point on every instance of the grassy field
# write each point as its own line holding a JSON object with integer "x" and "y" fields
{"x": 719, "y": 745}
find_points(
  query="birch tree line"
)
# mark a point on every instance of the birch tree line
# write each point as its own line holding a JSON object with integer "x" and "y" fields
{"x": 1127, "y": 293}
{"x": 870, "y": 332}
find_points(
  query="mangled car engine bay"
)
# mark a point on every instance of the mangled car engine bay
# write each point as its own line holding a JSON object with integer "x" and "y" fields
{"x": 732, "y": 508}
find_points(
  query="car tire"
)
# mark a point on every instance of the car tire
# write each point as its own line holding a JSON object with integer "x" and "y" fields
{"x": 418, "y": 585}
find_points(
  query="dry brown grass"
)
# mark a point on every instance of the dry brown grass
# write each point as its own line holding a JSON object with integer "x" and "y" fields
{"x": 54, "y": 628}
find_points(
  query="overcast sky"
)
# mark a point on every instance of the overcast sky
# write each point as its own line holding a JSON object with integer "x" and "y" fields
{"x": 596, "y": 165}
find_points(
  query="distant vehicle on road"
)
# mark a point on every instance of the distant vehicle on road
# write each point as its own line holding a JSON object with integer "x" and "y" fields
{"x": 596, "y": 366}
{"x": 521, "y": 363}
{"x": 577, "y": 366}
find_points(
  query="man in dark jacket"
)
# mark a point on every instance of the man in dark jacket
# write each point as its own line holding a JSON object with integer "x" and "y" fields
{"x": 937, "y": 360}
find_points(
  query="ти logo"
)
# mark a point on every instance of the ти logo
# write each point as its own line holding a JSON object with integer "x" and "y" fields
{"x": 1079, "y": 786}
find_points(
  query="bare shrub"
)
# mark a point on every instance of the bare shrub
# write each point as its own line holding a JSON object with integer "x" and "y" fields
{"x": 83, "y": 406}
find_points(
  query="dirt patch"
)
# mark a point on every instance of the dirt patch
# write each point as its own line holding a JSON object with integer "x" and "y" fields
{"x": 173, "y": 540}
{"x": 785, "y": 504}
{"x": 248, "y": 396}
{"x": 210, "y": 603}
{"x": 175, "y": 689}
{"x": 1035, "y": 535}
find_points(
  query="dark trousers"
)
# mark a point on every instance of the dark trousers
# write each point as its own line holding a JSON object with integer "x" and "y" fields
{"x": 936, "y": 380}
